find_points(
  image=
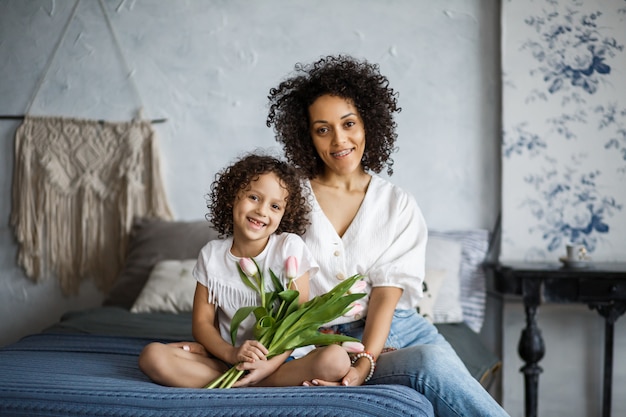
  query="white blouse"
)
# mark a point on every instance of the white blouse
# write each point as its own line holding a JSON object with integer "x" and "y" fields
{"x": 386, "y": 243}
{"x": 216, "y": 269}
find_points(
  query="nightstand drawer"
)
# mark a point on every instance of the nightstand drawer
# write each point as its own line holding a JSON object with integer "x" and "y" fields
{"x": 597, "y": 289}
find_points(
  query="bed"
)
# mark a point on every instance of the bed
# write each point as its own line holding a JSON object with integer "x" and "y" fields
{"x": 86, "y": 363}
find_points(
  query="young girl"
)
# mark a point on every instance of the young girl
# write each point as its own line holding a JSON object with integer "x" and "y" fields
{"x": 258, "y": 208}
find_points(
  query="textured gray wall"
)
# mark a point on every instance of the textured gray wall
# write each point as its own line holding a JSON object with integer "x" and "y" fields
{"x": 207, "y": 67}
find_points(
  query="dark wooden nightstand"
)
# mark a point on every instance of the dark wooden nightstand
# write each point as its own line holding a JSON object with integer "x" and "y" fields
{"x": 602, "y": 286}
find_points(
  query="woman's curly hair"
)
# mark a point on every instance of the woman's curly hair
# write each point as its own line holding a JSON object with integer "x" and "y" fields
{"x": 237, "y": 177}
{"x": 342, "y": 76}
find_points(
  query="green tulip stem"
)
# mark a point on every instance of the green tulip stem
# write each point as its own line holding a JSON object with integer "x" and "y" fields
{"x": 217, "y": 381}
{"x": 234, "y": 377}
{"x": 226, "y": 380}
{"x": 282, "y": 306}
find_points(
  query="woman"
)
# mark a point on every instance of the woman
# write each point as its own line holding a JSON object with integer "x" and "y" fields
{"x": 334, "y": 119}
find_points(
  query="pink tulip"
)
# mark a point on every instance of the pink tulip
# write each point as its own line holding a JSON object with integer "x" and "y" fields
{"x": 248, "y": 267}
{"x": 353, "y": 347}
{"x": 358, "y": 287}
{"x": 356, "y": 310}
{"x": 291, "y": 267}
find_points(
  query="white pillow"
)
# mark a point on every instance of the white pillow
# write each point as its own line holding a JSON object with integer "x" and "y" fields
{"x": 170, "y": 288}
{"x": 432, "y": 283}
{"x": 445, "y": 254}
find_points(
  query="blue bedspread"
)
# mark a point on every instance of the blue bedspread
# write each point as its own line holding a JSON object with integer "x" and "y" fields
{"x": 52, "y": 374}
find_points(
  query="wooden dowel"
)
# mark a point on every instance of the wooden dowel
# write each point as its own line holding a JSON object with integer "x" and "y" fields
{"x": 21, "y": 117}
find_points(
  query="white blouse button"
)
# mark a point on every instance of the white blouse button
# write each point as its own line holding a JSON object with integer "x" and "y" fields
{"x": 340, "y": 276}
{"x": 337, "y": 253}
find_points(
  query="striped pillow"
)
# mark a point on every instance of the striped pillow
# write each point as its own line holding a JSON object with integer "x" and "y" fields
{"x": 475, "y": 243}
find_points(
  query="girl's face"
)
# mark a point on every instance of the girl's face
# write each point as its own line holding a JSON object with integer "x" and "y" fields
{"x": 338, "y": 133}
{"x": 257, "y": 212}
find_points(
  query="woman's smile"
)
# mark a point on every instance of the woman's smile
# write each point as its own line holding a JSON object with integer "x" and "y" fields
{"x": 341, "y": 154}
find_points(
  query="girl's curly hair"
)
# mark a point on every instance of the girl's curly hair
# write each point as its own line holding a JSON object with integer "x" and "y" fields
{"x": 237, "y": 177}
{"x": 342, "y": 76}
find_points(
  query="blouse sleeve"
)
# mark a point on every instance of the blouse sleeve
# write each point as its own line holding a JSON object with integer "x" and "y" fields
{"x": 402, "y": 263}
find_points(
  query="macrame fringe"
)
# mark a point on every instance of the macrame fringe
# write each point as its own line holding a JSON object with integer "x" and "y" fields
{"x": 77, "y": 185}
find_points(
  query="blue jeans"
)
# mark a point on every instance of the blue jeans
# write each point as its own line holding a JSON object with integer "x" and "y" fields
{"x": 426, "y": 362}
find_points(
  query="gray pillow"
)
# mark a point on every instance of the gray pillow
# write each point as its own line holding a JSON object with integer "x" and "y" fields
{"x": 475, "y": 244}
{"x": 150, "y": 241}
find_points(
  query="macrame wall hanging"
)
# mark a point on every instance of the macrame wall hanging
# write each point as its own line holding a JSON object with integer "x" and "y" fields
{"x": 77, "y": 185}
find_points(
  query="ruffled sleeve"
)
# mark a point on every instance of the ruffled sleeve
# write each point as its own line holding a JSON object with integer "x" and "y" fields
{"x": 402, "y": 263}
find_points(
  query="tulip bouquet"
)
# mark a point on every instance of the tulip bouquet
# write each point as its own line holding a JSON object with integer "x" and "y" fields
{"x": 282, "y": 323}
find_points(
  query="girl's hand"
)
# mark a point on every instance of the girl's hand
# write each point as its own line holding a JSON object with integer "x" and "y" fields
{"x": 250, "y": 351}
{"x": 257, "y": 371}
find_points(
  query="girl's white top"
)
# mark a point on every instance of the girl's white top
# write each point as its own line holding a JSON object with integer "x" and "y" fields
{"x": 216, "y": 269}
{"x": 386, "y": 243}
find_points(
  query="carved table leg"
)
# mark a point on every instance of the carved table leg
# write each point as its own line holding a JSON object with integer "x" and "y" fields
{"x": 531, "y": 347}
{"x": 610, "y": 312}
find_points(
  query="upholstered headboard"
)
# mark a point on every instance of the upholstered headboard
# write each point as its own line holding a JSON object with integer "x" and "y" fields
{"x": 454, "y": 284}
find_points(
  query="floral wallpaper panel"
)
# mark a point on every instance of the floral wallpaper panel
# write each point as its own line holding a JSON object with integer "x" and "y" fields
{"x": 564, "y": 129}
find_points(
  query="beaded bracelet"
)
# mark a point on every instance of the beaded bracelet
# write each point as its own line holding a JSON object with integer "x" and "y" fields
{"x": 369, "y": 356}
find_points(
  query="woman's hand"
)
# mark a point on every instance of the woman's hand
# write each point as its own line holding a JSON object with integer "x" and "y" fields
{"x": 353, "y": 378}
{"x": 250, "y": 351}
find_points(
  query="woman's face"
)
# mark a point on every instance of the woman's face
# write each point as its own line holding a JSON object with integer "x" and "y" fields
{"x": 338, "y": 133}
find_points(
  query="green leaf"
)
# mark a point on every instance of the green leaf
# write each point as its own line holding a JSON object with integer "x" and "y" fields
{"x": 238, "y": 317}
{"x": 270, "y": 303}
{"x": 293, "y": 306}
{"x": 278, "y": 286}
{"x": 335, "y": 293}
{"x": 322, "y": 314}
{"x": 263, "y": 326}
{"x": 289, "y": 321}
{"x": 261, "y": 281}
{"x": 323, "y": 339}
{"x": 246, "y": 280}
{"x": 288, "y": 297}
{"x": 260, "y": 312}
{"x": 266, "y": 322}
{"x": 312, "y": 337}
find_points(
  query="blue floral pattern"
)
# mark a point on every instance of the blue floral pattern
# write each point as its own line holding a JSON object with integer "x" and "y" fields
{"x": 571, "y": 208}
{"x": 564, "y": 128}
{"x": 571, "y": 50}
